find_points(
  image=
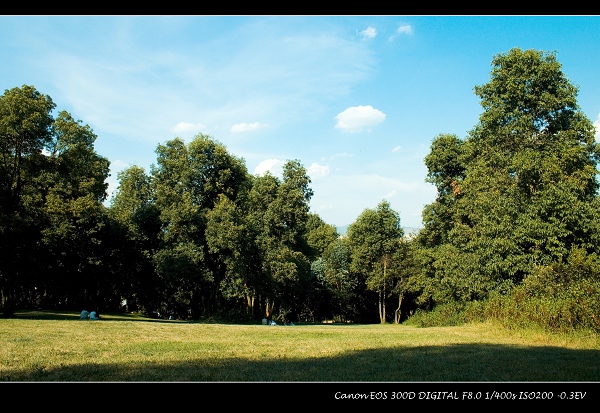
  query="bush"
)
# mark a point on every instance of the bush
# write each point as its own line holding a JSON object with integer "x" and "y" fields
{"x": 561, "y": 297}
{"x": 449, "y": 314}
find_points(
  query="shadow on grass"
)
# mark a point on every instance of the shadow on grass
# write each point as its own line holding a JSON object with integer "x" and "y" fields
{"x": 458, "y": 363}
{"x": 69, "y": 315}
{"x": 121, "y": 316}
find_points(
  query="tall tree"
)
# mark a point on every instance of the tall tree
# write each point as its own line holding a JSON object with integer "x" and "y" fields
{"x": 405, "y": 269}
{"x": 75, "y": 187}
{"x": 262, "y": 194}
{"x": 526, "y": 182}
{"x": 137, "y": 219}
{"x": 25, "y": 130}
{"x": 446, "y": 171}
{"x": 133, "y": 205}
{"x": 282, "y": 240}
{"x": 187, "y": 183}
{"x": 52, "y": 187}
{"x": 230, "y": 235}
{"x": 340, "y": 280}
{"x": 374, "y": 239}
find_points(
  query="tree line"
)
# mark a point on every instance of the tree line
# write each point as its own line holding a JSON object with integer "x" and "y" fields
{"x": 514, "y": 224}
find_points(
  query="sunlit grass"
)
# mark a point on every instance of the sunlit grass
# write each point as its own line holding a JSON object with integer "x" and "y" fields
{"x": 59, "y": 347}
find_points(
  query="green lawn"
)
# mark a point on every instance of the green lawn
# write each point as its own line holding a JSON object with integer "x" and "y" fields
{"x": 57, "y": 346}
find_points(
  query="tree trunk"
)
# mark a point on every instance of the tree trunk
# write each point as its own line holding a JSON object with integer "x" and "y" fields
{"x": 398, "y": 312}
{"x": 250, "y": 304}
{"x": 8, "y": 302}
{"x": 382, "y": 295}
{"x": 269, "y": 305}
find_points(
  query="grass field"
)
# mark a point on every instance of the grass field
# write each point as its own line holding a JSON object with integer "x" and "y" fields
{"x": 57, "y": 346}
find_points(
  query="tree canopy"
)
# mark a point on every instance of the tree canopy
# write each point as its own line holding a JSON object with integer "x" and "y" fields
{"x": 518, "y": 191}
{"x": 374, "y": 238}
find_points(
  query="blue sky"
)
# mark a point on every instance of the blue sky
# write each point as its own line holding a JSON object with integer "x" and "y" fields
{"x": 356, "y": 99}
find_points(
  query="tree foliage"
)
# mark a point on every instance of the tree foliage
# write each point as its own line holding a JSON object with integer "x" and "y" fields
{"x": 374, "y": 239}
{"x": 52, "y": 185}
{"x": 25, "y": 130}
{"x": 518, "y": 192}
{"x": 187, "y": 183}
{"x": 74, "y": 185}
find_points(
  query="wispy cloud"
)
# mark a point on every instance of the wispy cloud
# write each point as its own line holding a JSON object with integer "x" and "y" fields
{"x": 359, "y": 118}
{"x": 377, "y": 181}
{"x": 406, "y": 196}
{"x": 341, "y": 155}
{"x": 397, "y": 148}
{"x": 247, "y": 127}
{"x": 390, "y": 194}
{"x": 369, "y": 33}
{"x": 405, "y": 29}
{"x": 189, "y": 128}
{"x": 272, "y": 72}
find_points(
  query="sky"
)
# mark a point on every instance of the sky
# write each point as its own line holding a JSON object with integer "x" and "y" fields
{"x": 356, "y": 99}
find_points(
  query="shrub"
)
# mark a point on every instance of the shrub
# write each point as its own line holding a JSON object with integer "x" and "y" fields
{"x": 561, "y": 297}
{"x": 449, "y": 314}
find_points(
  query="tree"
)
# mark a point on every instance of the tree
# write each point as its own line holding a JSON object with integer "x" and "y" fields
{"x": 52, "y": 185}
{"x": 525, "y": 182}
{"x": 374, "y": 239}
{"x": 25, "y": 130}
{"x": 405, "y": 269}
{"x": 261, "y": 195}
{"x": 340, "y": 280}
{"x": 446, "y": 171}
{"x": 74, "y": 187}
{"x": 319, "y": 235}
{"x": 281, "y": 238}
{"x": 136, "y": 220}
{"x": 133, "y": 205}
{"x": 229, "y": 235}
{"x": 187, "y": 183}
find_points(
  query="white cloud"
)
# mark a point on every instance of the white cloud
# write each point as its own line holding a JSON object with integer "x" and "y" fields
{"x": 369, "y": 32}
{"x": 246, "y": 127}
{"x": 597, "y": 126}
{"x": 316, "y": 170}
{"x": 397, "y": 148}
{"x": 275, "y": 166}
{"x": 405, "y": 29}
{"x": 358, "y": 118}
{"x": 189, "y": 128}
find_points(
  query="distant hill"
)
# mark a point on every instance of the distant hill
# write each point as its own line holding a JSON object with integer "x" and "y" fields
{"x": 407, "y": 230}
